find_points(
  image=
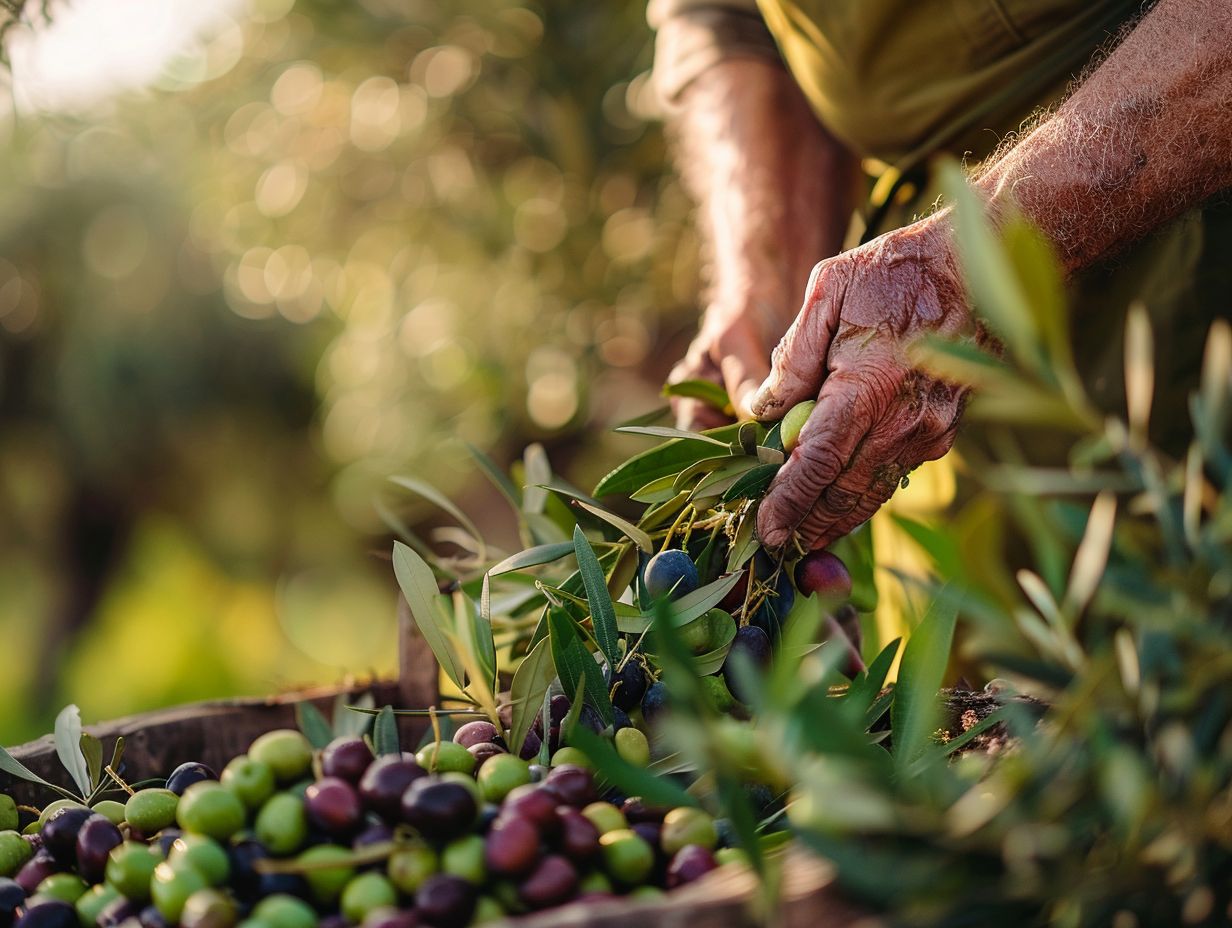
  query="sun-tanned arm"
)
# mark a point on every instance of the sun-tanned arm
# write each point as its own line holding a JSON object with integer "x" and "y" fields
{"x": 1146, "y": 136}
{"x": 775, "y": 192}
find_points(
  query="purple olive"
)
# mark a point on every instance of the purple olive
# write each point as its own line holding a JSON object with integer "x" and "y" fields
{"x": 334, "y": 806}
{"x": 94, "y": 842}
{"x": 346, "y": 759}
{"x": 438, "y": 809}
{"x": 479, "y": 731}
{"x": 553, "y": 881}
{"x": 60, "y": 833}
{"x": 445, "y": 901}
{"x": 186, "y": 775}
{"x": 574, "y": 785}
{"x": 384, "y": 782}
{"x": 536, "y": 804}
{"x": 688, "y": 864}
{"x": 485, "y": 751}
{"x": 579, "y": 838}
{"x": 511, "y": 846}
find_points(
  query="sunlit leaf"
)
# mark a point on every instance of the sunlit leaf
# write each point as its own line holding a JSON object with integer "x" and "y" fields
{"x": 630, "y": 531}
{"x": 68, "y": 733}
{"x": 668, "y": 458}
{"x": 418, "y": 585}
{"x": 662, "y": 431}
{"x": 707, "y": 391}
{"x": 530, "y": 682}
{"x": 573, "y": 661}
{"x": 532, "y": 557}
{"x": 92, "y": 751}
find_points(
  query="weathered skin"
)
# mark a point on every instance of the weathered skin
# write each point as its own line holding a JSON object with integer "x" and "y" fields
{"x": 1147, "y": 135}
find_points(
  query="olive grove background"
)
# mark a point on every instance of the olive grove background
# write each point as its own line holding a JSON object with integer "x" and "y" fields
{"x": 331, "y": 243}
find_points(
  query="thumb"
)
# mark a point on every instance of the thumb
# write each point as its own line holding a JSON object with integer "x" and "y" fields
{"x": 798, "y": 365}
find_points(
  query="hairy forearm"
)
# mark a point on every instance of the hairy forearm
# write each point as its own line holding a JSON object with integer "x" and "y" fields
{"x": 774, "y": 190}
{"x": 1146, "y": 136}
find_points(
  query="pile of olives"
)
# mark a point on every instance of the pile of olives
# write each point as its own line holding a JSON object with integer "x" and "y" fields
{"x": 461, "y": 833}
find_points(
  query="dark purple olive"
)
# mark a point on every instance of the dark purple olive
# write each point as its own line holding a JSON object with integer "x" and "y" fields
{"x": 445, "y": 901}
{"x": 485, "y": 751}
{"x": 289, "y": 884}
{"x": 654, "y": 702}
{"x": 165, "y": 838}
{"x": 346, "y": 759}
{"x": 35, "y": 870}
{"x": 117, "y": 912}
{"x": 688, "y": 864}
{"x": 150, "y": 917}
{"x": 628, "y": 686}
{"x": 579, "y": 838}
{"x": 60, "y": 833}
{"x": 553, "y": 881}
{"x": 635, "y": 810}
{"x": 245, "y": 854}
{"x": 530, "y": 746}
{"x": 50, "y": 914}
{"x": 535, "y": 804}
{"x": 333, "y": 806}
{"x": 391, "y": 918}
{"x": 511, "y": 846}
{"x": 479, "y": 731}
{"x": 559, "y": 708}
{"x": 186, "y": 775}
{"x": 384, "y": 782}
{"x": 94, "y": 842}
{"x": 754, "y": 644}
{"x": 574, "y": 785}
{"x": 373, "y": 833}
{"x": 650, "y": 832}
{"x": 439, "y": 810}
{"x": 11, "y": 896}
{"x": 620, "y": 719}
{"x": 589, "y": 718}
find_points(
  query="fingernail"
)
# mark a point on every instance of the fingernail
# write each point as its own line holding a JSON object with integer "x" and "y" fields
{"x": 761, "y": 398}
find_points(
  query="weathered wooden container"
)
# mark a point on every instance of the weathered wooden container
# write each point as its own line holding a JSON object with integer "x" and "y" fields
{"x": 214, "y": 732}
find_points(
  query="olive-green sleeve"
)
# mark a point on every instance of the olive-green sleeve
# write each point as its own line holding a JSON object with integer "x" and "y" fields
{"x": 693, "y": 35}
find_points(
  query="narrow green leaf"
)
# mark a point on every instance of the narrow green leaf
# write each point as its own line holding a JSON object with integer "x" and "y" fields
{"x": 668, "y": 458}
{"x": 915, "y": 711}
{"x": 441, "y": 501}
{"x": 475, "y": 635}
{"x": 68, "y": 747}
{"x": 753, "y": 483}
{"x": 707, "y": 391}
{"x": 662, "y": 431}
{"x": 629, "y": 779}
{"x": 418, "y": 585}
{"x": 497, "y": 477}
{"x": 532, "y": 557}
{"x": 745, "y": 544}
{"x": 631, "y": 531}
{"x": 712, "y": 661}
{"x": 700, "y": 468}
{"x": 352, "y": 722}
{"x": 313, "y": 724}
{"x": 866, "y": 687}
{"x": 656, "y": 491}
{"x": 92, "y": 751}
{"x": 538, "y": 473}
{"x": 683, "y": 610}
{"x": 602, "y": 612}
{"x": 385, "y": 733}
{"x": 530, "y": 682}
{"x": 573, "y": 661}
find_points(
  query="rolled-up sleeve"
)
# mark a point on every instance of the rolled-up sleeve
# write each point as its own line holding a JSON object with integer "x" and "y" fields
{"x": 693, "y": 35}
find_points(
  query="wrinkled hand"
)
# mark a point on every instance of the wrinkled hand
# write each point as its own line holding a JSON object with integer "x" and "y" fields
{"x": 876, "y": 417}
{"x": 732, "y": 349}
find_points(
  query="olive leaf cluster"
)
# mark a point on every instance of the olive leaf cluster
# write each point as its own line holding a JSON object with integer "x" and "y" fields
{"x": 1115, "y": 806}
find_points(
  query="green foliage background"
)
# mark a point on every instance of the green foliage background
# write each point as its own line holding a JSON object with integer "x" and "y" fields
{"x": 334, "y": 243}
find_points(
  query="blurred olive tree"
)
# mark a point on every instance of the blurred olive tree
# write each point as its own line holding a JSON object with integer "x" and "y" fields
{"x": 335, "y": 242}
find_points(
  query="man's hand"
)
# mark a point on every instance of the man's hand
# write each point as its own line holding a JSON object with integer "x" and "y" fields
{"x": 733, "y": 350}
{"x": 876, "y": 417}
{"x": 775, "y": 192}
